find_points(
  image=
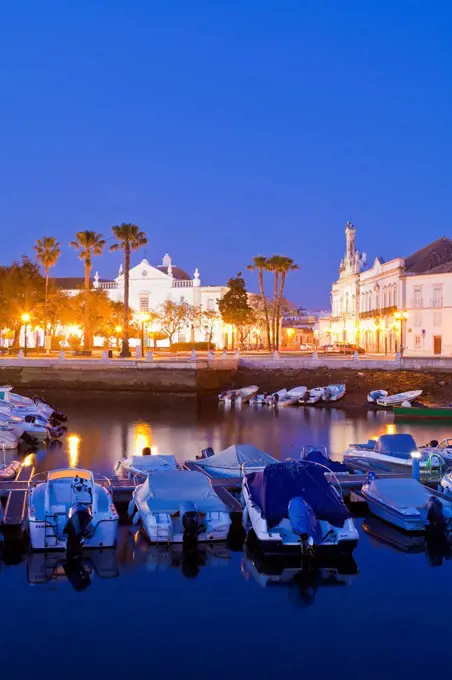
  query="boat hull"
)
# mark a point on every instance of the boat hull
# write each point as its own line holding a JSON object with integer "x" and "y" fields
{"x": 103, "y": 536}
{"x": 413, "y": 412}
{"x": 410, "y": 523}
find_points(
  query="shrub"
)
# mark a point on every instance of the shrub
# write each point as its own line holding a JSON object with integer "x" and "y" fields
{"x": 186, "y": 346}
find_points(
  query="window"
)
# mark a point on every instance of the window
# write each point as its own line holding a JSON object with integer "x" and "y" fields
{"x": 437, "y": 318}
{"x": 394, "y": 295}
{"x": 437, "y": 296}
{"x": 418, "y": 319}
{"x": 211, "y": 303}
{"x": 144, "y": 303}
{"x": 377, "y": 299}
{"x": 417, "y": 297}
{"x": 417, "y": 341}
{"x": 385, "y": 298}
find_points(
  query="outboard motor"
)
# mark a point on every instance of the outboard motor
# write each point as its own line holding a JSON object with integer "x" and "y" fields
{"x": 77, "y": 526}
{"x": 206, "y": 453}
{"x": 29, "y": 440}
{"x": 304, "y": 523}
{"x": 59, "y": 417}
{"x": 191, "y": 521}
{"x": 435, "y": 516}
{"x": 433, "y": 443}
{"x": 56, "y": 432}
{"x": 30, "y": 419}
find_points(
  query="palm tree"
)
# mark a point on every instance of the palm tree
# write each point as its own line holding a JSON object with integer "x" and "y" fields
{"x": 88, "y": 243}
{"x": 274, "y": 264}
{"x": 259, "y": 264}
{"x": 47, "y": 254}
{"x": 286, "y": 265}
{"x": 129, "y": 238}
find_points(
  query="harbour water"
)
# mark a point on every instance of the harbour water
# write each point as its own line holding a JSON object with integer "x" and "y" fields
{"x": 223, "y": 611}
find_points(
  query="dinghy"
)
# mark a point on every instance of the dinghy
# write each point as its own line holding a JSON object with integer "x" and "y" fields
{"x": 180, "y": 506}
{"x": 313, "y": 396}
{"x": 395, "y": 449}
{"x": 9, "y": 470}
{"x": 232, "y": 461}
{"x": 398, "y": 399}
{"x": 333, "y": 392}
{"x": 145, "y": 464}
{"x": 407, "y": 504}
{"x": 25, "y": 405}
{"x": 67, "y": 509}
{"x": 8, "y": 437}
{"x": 241, "y": 395}
{"x": 291, "y": 506}
{"x": 287, "y": 397}
{"x": 274, "y": 397}
{"x": 375, "y": 395}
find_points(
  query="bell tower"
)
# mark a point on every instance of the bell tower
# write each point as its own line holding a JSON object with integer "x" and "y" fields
{"x": 353, "y": 260}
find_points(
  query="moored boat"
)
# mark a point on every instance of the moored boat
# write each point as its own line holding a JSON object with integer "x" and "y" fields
{"x": 146, "y": 463}
{"x": 67, "y": 509}
{"x": 241, "y": 395}
{"x": 180, "y": 506}
{"x": 407, "y": 504}
{"x": 375, "y": 395}
{"x": 398, "y": 399}
{"x": 291, "y": 506}
{"x": 231, "y": 462}
{"x": 287, "y": 397}
{"x": 313, "y": 396}
{"x": 441, "y": 412}
{"x": 333, "y": 392}
{"x": 394, "y": 449}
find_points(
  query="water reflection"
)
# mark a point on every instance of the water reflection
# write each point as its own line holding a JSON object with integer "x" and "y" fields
{"x": 73, "y": 442}
{"x": 79, "y": 571}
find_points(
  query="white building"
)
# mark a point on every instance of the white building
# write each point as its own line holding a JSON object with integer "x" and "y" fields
{"x": 151, "y": 285}
{"x": 401, "y": 303}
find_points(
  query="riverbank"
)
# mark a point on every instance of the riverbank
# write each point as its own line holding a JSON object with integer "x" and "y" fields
{"x": 436, "y": 386}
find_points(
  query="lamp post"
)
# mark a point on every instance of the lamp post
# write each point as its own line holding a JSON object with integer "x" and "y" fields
{"x": 143, "y": 317}
{"x": 401, "y": 317}
{"x": 118, "y": 330}
{"x": 25, "y": 320}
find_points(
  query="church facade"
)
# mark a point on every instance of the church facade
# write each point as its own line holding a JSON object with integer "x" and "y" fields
{"x": 401, "y": 305}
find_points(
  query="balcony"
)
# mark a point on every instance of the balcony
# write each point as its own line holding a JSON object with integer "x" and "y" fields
{"x": 108, "y": 285}
{"x": 383, "y": 311}
{"x": 182, "y": 284}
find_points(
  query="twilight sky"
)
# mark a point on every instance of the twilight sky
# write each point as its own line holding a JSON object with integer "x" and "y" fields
{"x": 227, "y": 129}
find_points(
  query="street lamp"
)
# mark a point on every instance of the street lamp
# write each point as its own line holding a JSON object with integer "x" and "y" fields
{"x": 118, "y": 330}
{"x": 25, "y": 320}
{"x": 401, "y": 317}
{"x": 143, "y": 317}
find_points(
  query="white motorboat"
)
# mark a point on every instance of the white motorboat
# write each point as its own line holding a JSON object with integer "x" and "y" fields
{"x": 232, "y": 461}
{"x": 8, "y": 437}
{"x": 145, "y": 464}
{"x": 273, "y": 397}
{"x": 242, "y": 395}
{"x": 375, "y": 395}
{"x": 313, "y": 396}
{"x": 333, "y": 392}
{"x": 398, "y": 399}
{"x": 395, "y": 449}
{"x": 407, "y": 504}
{"x": 180, "y": 506}
{"x": 287, "y": 397}
{"x": 442, "y": 449}
{"x": 37, "y": 426}
{"x": 291, "y": 506}
{"x": 67, "y": 509}
{"x": 35, "y": 405}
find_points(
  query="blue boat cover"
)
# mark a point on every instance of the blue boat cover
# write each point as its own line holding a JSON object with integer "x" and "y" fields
{"x": 333, "y": 465}
{"x": 273, "y": 488}
{"x": 400, "y": 445}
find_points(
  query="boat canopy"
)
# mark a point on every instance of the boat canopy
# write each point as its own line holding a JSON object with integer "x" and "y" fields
{"x": 316, "y": 456}
{"x": 153, "y": 462}
{"x": 237, "y": 455}
{"x": 273, "y": 488}
{"x": 68, "y": 473}
{"x": 401, "y": 444}
{"x": 165, "y": 493}
{"x": 399, "y": 493}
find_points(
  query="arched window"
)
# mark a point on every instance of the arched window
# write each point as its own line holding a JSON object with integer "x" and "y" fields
{"x": 211, "y": 303}
{"x": 394, "y": 295}
{"x": 385, "y": 297}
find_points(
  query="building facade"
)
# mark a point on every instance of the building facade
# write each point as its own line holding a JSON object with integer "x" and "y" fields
{"x": 400, "y": 305}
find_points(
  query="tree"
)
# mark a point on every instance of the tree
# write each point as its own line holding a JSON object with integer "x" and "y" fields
{"x": 259, "y": 264}
{"x": 88, "y": 243}
{"x": 286, "y": 265}
{"x": 21, "y": 290}
{"x": 206, "y": 320}
{"x": 129, "y": 238}
{"x": 47, "y": 254}
{"x": 280, "y": 266}
{"x": 173, "y": 317}
{"x": 234, "y": 306}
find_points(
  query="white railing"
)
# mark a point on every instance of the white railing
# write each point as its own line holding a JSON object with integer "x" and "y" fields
{"x": 108, "y": 285}
{"x": 182, "y": 284}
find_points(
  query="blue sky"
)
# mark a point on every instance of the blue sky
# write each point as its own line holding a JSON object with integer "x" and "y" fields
{"x": 227, "y": 129}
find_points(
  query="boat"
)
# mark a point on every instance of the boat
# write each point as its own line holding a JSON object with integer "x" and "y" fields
{"x": 395, "y": 449}
{"x": 34, "y": 405}
{"x": 407, "y": 504}
{"x": 375, "y": 395}
{"x": 286, "y": 397}
{"x": 234, "y": 460}
{"x": 313, "y": 396}
{"x": 146, "y": 463}
{"x": 179, "y": 506}
{"x": 68, "y": 509}
{"x": 442, "y": 412}
{"x": 398, "y": 399}
{"x": 9, "y": 471}
{"x": 8, "y": 437}
{"x": 241, "y": 395}
{"x": 442, "y": 449}
{"x": 291, "y": 507}
{"x": 319, "y": 455}
{"x": 333, "y": 392}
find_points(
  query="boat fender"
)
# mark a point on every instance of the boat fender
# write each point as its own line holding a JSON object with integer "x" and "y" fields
{"x": 78, "y": 526}
{"x": 303, "y": 521}
{"x": 191, "y": 520}
{"x": 435, "y": 515}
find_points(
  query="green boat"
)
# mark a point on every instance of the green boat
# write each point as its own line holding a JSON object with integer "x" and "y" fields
{"x": 428, "y": 412}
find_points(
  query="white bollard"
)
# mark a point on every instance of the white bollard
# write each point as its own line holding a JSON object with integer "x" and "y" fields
{"x": 237, "y": 354}
{"x": 397, "y": 357}
{"x": 104, "y": 355}
{"x": 138, "y": 352}
{"x": 149, "y": 356}
{"x": 276, "y": 354}
{"x": 210, "y": 356}
{"x": 61, "y": 355}
{"x": 21, "y": 354}
{"x": 314, "y": 356}
{"x": 225, "y": 354}
{"x": 193, "y": 355}
{"x": 355, "y": 356}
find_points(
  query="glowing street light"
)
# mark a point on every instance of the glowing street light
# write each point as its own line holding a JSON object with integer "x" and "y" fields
{"x": 143, "y": 317}
{"x": 401, "y": 317}
{"x": 25, "y": 320}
